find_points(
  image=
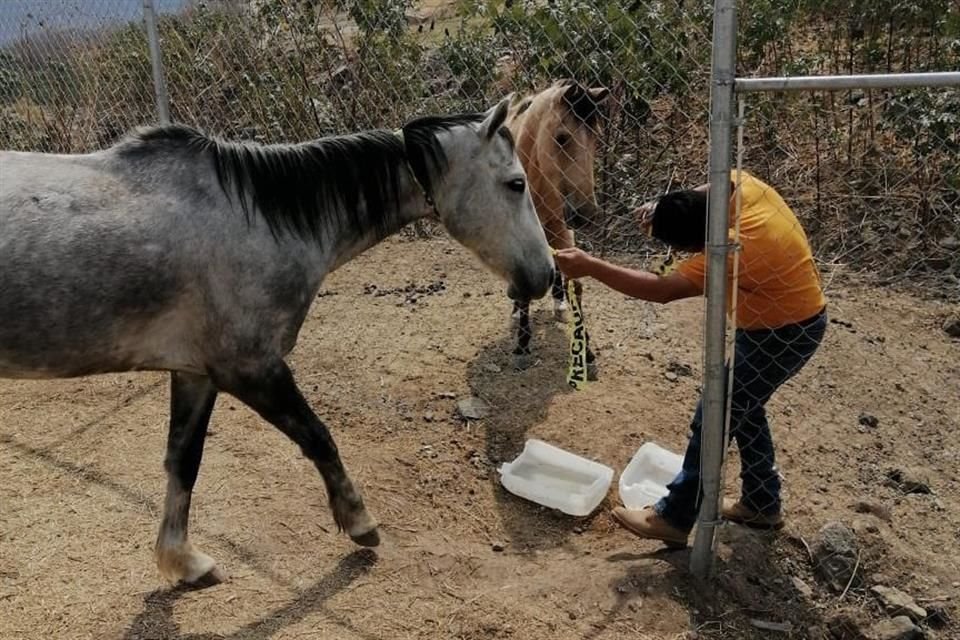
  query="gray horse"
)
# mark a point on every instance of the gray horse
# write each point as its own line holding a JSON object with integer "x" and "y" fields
{"x": 173, "y": 251}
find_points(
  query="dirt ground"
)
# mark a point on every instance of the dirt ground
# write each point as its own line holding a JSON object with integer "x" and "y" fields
{"x": 81, "y": 478}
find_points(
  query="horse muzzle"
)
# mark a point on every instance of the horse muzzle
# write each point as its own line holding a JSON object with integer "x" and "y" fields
{"x": 527, "y": 284}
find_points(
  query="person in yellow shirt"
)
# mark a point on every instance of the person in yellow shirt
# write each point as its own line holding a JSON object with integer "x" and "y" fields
{"x": 780, "y": 316}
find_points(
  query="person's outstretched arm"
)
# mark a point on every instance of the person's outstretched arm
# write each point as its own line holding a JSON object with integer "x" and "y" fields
{"x": 576, "y": 263}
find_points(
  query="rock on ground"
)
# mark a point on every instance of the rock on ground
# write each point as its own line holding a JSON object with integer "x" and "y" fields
{"x": 899, "y": 628}
{"x": 835, "y": 552}
{"x": 952, "y": 325}
{"x": 898, "y": 603}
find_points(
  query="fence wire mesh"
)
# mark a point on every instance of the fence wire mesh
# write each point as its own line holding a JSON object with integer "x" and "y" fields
{"x": 870, "y": 177}
{"x": 73, "y": 75}
{"x": 883, "y": 200}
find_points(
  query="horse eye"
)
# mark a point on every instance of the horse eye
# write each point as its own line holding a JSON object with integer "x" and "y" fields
{"x": 518, "y": 185}
{"x": 563, "y": 138}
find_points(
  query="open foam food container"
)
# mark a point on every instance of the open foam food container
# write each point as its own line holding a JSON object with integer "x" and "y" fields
{"x": 646, "y": 476}
{"x": 555, "y": 478}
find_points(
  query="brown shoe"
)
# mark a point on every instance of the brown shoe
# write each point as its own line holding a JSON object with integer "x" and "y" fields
{"x": 735, "y": 511}
{"x": 646, "y": 523}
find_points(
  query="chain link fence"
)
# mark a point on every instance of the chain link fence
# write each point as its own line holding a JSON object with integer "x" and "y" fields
{"x": 75, "y": 76}
{"x": 870, "y": 176}
{"x": 286, "y": 70}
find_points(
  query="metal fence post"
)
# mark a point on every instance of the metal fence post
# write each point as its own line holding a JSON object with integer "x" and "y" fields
{"x": 714, "y": 381}
{"x": 159, "y": 81}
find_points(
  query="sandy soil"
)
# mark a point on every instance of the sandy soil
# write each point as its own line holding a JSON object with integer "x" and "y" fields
{"x": 81, "y": 478}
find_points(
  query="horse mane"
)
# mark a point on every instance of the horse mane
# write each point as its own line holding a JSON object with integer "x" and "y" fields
{"x": 306, "y": 189}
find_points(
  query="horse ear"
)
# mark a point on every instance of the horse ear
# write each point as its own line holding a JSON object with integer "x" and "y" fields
{"x": 495, "y": 118}
{"x": 573, "y": 93}
{"x": 585, "y": 103}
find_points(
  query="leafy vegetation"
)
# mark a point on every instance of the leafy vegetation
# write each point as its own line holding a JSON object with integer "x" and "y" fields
{"x": 864, "y": 167}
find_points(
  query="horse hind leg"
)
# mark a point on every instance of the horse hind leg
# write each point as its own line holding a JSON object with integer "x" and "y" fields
{"x": 273, "y": 393}
{"x": 521, "y": 353}
{"x": 191, "y": 403}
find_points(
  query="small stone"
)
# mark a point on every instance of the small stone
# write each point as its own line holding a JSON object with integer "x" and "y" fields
{"x": 446, "y": 395}
{"x": 428, "y": 416}
{"x": 473, "y": 408}
{"x": 835, "y": 552}
{"x": 578, "y": 530}
{"x": 908, "y": 480}
{"x": 872, "y": 508}
{"x": 899, "y": 628}
{"x": 869, "y": 420}
{"x": 802, "y": 587}
{"x": 679, "y": 368}
{"x": 952, "y": 325}
{"x": 898, "y": 603}
{"x": 671, "y": 376}
{"x": 498, "y": 546}
{"x": 492, "y": 368}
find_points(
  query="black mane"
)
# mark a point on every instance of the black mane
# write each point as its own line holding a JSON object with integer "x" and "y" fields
{"x": 349, "y": 181}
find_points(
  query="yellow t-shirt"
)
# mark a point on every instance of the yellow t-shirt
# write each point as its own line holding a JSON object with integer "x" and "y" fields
{"x": 778, "y": 283}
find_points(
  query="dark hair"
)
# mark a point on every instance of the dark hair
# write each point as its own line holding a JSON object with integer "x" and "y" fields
{"x": 680, "y": 220}
{"x": 350, "y": 180}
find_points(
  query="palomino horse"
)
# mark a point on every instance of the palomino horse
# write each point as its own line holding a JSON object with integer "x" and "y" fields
{"x": 556, "y": 132}
{"x": 177, "y": 252}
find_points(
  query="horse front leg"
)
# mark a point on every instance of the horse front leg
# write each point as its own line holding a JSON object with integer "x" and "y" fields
{"x": 191, "y": 402}
{"x": 272, "y": 392}
{"x": 592, "y": 369}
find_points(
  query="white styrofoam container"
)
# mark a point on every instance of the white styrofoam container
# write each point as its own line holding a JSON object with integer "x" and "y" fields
{"x": 556, "y": 478}
{"x": 647, "y": 475}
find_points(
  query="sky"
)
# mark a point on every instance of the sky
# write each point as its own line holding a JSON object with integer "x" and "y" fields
{"x": 17, "y": 15}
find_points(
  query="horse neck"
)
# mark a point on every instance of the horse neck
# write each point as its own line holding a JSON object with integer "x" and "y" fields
{"x": 345, "y": 244}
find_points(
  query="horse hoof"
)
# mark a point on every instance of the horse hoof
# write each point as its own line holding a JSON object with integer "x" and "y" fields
{"x": 210, "y": 579}
{"x": 592, "y": 371}
{"x": 369, "y": 539}
{"x": 522, "y": 361}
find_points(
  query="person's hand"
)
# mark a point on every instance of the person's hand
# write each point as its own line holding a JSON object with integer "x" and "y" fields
{"x": 574, "y": 263}
{"x": 644, "y": 215}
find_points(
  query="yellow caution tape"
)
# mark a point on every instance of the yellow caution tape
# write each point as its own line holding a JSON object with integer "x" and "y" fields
{"x": 577, "y": 372}
{"x": 577, "y": 369}
{"x": 665, "y": 266}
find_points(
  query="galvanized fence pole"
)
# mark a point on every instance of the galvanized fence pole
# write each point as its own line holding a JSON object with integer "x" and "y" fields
{"x": 721, "y": 122}
{"x": 159, "y": 81}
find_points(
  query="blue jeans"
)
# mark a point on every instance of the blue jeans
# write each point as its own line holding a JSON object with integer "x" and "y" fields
{"x": 764, "y": 359}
